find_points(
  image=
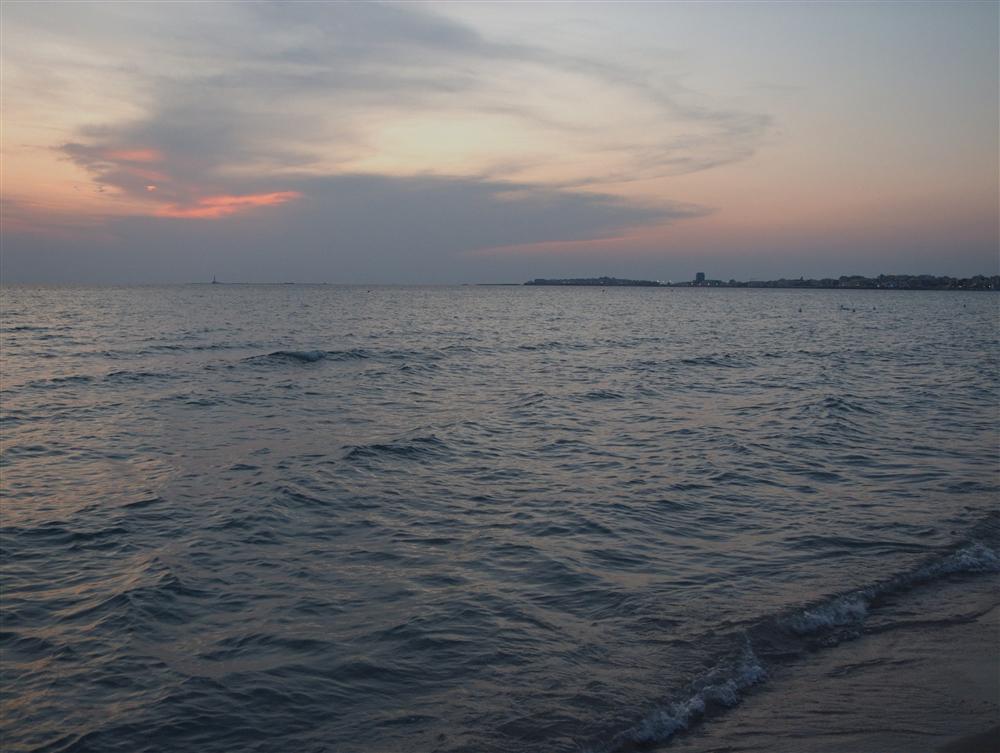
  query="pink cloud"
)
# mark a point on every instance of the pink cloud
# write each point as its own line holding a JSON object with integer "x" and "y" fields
{"x": 213, "y": 207}
{"x": 132, "y": 155}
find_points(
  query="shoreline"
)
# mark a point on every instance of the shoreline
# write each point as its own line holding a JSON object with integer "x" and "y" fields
{"x": 922, "y": 676}
{"x": 985, "y": 741}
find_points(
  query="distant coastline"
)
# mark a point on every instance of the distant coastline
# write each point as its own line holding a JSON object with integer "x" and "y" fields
{"x": 845, "y": 282}
{"x": 597, "y": 281}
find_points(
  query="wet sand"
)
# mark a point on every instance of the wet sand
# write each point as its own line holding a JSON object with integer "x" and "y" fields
{"x": 985, "y": 741}
{"x": 924, "y": 676}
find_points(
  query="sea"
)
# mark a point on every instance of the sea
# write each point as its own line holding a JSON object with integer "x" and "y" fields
{"x": 403, "y": 519}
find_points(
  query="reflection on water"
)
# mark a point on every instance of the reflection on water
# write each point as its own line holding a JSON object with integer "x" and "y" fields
{"x": 317, "y": 518}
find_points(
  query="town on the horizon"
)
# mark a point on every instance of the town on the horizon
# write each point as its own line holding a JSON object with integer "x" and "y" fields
{"x": 844, "y": 282}
{"x": 882, "y": 282}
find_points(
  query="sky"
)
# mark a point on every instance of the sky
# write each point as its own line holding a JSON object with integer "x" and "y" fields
{"x": 497, "y": 142}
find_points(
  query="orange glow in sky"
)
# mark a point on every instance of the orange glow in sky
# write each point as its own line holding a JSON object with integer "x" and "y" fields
{"x": 213, "y": 207}
{"x": 749, "y": 139}
{"x": 134, "y": 155}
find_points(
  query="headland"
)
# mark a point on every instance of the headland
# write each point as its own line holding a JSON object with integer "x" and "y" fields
{"x": 844, "y": 282}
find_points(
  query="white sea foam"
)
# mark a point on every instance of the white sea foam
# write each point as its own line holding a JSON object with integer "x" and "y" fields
{"x": 849, "y": 609}
{"x": 852, "y": 608}
{"x": 974, "y": 558}
{"x": 722, "y": 686}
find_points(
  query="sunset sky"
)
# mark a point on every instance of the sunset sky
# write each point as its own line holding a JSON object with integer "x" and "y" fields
{"x": 484, "y": 142}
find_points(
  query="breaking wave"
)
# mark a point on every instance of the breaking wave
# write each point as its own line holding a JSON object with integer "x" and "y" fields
{"x": 853, "y": 607}
{"x": 718, "y": 689}
{"x": 786, "y": 637}
{"x": 461, "y": 519}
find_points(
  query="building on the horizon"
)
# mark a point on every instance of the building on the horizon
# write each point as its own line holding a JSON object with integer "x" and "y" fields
{"x": 699, "y": 278}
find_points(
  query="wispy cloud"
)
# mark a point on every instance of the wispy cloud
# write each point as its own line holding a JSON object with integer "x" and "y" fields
{"x": 213, "y": 207}
{"x": 343, "y": 88}
{"x": 177, "y": 125}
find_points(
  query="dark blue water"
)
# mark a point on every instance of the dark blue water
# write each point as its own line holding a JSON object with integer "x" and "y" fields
{"x": 320, "y": 518}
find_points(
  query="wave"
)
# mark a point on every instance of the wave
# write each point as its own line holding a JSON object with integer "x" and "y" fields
{"x": 460, "y": 348}
{"x": 61, "y": 381}
{"x": 416, "y": 447}
{"x": 554, "y": 345}
{"x": 853, "y": 607}
{"x": 724, "y": 360}
{"x": 418, "y": 367}
{"x": 122, "y": 377}
{"x": 603, "y": 395}
{"x": 168, "y": 347}
{"x": 834, "y": 405}
{"x": 60, "y": 533}
{"x": 164, "y": 349}
{"x": 786, "y": 637}
{"x": 308, "y": 356}
{"x": 152, "y": 594}
{"x": 252, "y": 645}
{"x": 73, "y": 380}
{"x": 718, "y": 689}
{"x": 408, "y": 359}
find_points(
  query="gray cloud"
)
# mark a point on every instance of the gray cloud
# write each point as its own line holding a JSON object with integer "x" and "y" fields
{"x": 254, "y": 98}
{"x": 269, "y": 103}
{"x": 350, "y": 228}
